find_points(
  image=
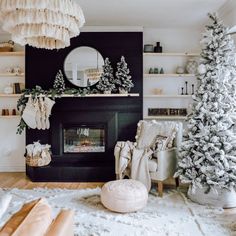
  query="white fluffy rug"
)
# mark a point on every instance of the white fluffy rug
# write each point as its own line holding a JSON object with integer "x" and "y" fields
{"x": 171, "y": 215}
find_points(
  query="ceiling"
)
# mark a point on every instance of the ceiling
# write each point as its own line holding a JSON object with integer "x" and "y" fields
{"x": 149, "y": 13}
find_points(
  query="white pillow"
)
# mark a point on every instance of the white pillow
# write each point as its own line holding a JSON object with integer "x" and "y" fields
{"x": 148, "y": 131}
{"x": 5, "y": 199}
{"x": 146, "y": 134}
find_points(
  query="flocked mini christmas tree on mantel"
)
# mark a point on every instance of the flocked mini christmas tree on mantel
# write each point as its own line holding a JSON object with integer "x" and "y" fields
{"x": 106, "y": 82}
{"x": 59, "y": 83}
{"x": 207, "y": 157}
{"x": 123, "y": 79}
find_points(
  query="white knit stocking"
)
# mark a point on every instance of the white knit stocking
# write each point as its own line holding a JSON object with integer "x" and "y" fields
{"x": 48, "y": 107}
{"x": 29, "y": 114}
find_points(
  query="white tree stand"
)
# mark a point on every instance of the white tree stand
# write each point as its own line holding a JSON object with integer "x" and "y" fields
{"x": 220, "y": 198}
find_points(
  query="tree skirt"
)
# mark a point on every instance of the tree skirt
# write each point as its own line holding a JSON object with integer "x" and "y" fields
{"x": 171, "y": 215}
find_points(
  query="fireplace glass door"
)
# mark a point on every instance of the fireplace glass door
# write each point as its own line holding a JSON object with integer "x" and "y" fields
{"x": 84, "y": 139}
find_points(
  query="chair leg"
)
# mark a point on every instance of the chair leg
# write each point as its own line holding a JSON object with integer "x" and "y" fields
{"x": 160, "y": 188}
{"x": 177, "y": 182}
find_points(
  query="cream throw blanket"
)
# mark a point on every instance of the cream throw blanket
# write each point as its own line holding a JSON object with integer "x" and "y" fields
{"x": 133, "y": 162}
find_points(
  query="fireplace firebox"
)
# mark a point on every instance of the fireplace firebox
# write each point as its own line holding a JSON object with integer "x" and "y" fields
{"x": 84, "y": 138}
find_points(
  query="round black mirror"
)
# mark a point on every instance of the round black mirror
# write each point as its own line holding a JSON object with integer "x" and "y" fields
{"x": 83, "y": 66}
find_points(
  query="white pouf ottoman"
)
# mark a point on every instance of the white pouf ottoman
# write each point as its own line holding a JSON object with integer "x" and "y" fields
{"x": 124, "y": 195}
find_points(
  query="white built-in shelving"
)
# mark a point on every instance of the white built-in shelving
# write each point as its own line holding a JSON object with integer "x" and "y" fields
{"x": 169, "y": 83}
{"x": 12, "y": 146}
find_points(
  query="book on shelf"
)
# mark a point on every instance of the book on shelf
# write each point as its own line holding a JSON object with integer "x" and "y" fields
{"x": 167, "y": 111}
{"x": 18, "y": 88}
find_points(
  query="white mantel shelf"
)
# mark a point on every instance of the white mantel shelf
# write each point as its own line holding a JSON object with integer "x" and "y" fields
{"x": 94, "y": 95}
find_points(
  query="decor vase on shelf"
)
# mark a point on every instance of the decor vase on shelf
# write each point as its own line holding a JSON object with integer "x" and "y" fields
{"x": 191, "y": 66}
{"x": 179, "y": 70}
{"x": 8, "y": 89}
{"x": 148, "y": 48}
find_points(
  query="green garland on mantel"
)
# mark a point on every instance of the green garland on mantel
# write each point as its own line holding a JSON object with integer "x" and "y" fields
{"x": 52, "y": 93}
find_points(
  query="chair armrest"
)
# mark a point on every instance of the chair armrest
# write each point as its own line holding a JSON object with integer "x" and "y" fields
{"x": 167, "y": 162}
{"x": 63, "y": 225}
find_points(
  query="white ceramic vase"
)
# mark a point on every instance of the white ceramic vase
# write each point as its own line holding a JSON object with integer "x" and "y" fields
{"x": 123, "y": 91}
{"x": 220, "y": 198}
{"x": 191, "y": 66}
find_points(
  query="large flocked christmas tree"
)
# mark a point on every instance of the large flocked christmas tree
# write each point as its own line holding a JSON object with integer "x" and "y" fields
{"x": 106, "y": 82}
{"x": 207, "y": 157}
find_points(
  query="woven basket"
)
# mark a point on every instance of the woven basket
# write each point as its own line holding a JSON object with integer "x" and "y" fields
{"x": 6, "y": 46}
{"x": 38, "y": 161}
{"x": 6, "y": 49}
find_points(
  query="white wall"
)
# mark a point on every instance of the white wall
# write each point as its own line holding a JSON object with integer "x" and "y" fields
{"x": 12, "y": 146}
{"x": 174, "y": 40}
{"x": 228, "y": 14}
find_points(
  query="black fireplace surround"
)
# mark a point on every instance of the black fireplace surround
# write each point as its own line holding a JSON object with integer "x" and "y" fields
{"x": 118, "y": 115}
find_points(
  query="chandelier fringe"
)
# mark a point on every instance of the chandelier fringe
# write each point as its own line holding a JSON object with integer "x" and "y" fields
{"x": 21, "y": 17}
{"x": 42, "y": 23}
{"x": 47, "y": 43}
{"x": 67, "y": 7}
{"x": 22, "y": 32}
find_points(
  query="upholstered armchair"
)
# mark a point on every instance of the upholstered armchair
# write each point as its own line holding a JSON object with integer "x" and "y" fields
{"x": 153, "y": 157}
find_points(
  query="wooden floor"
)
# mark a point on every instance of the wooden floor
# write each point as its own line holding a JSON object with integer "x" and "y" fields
{"x": 21, "y": 181}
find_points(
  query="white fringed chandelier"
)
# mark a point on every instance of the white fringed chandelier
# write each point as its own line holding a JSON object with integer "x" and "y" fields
{"x": 45, "y": 24}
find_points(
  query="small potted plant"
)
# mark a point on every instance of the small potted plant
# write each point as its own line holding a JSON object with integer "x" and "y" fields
{"x": 123, "y": 78}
